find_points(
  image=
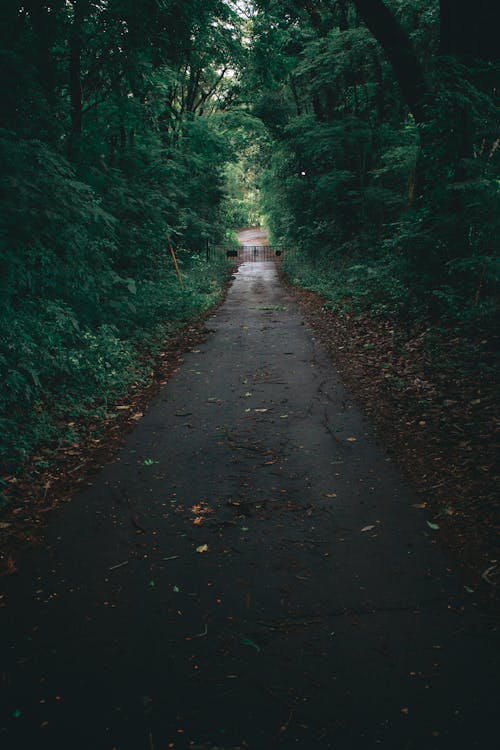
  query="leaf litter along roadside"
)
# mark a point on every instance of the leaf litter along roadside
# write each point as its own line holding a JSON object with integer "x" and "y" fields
{"x": 33, "y": 493}
{"x": 440, "y": 427}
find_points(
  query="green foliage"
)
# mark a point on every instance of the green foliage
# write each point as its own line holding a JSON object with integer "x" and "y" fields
{"x": 375, "y": 286}
{"x": 126, "y": 123}
{"x": 97, "y": 175}
{"x": 386, "y": 214}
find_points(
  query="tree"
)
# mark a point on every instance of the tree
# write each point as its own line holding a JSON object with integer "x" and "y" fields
{"x": 356, "y": 175}
{"x": 112, "y": 137}
{"x": 400, "y": 52}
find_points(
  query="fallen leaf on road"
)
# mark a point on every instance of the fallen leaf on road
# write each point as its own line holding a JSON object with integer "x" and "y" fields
{"x": 252, "y": 644}
{"x": 367, "y": 528}
{"x": 433, "y": 526}
{"x": 486, "y": 575}
{"x": 202, "y": 548}
{"x": 201, "y": 509}
{"x": 198, "y": 520}
{"x": 331, "y": 494}
{"x": 198, "y": 635}
{"x": 10, "y": 566}
{"x": 351, "y": 439}
{"x": 261, "y": 411}
{"x": 148, "y": 462}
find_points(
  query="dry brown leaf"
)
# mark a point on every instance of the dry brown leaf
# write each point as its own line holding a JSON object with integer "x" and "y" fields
{"x": 200, "y": 509}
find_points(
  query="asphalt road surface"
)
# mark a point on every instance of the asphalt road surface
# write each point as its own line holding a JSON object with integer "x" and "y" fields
{"x": 251, "y": 572}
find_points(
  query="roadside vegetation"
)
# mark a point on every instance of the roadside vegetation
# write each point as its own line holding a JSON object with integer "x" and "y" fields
{"x": 113, "y": 143}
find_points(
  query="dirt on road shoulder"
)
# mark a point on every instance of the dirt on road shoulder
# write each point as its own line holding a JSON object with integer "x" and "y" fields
{"x": 436, "y": 418}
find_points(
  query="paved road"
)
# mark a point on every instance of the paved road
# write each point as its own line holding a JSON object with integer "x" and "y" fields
{"x": 250, "y": 572}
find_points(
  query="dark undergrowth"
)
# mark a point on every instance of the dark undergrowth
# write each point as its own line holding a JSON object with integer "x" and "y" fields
{"x": 68, "y": 370}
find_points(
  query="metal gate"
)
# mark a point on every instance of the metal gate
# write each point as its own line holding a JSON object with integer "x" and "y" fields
{"x": 247, "y": 253}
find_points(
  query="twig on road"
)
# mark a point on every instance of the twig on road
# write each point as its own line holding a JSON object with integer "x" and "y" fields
{"x": 119, "y": 565}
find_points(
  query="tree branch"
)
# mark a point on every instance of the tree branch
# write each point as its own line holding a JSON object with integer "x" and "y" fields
{"x": 400, "y": 53}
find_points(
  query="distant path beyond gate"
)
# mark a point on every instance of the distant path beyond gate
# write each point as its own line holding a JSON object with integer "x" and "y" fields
{"x": 253, "y": 236}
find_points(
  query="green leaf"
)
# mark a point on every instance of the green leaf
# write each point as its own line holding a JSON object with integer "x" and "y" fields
{"x": 251, "y": 643}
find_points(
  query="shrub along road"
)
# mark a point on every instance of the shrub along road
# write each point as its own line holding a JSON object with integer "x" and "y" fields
{"x": 250, "y": 572}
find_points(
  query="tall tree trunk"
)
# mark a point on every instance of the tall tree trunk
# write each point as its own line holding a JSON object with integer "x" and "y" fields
{"x": 80, "y": 11}
{"x": 343, "y": 15}
{"x": 414, "y": 88}
{"x": 42, "y": 21}
{"x": 12, "y": 20}
{"x": 399, "y": 50}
